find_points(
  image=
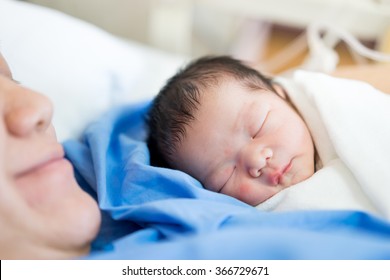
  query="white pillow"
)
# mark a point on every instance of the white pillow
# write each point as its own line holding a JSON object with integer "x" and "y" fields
{"x": 83, "y": 69}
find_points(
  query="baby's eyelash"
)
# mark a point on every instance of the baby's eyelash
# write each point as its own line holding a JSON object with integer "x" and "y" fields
{"x": 258, "y": 131}
{"x": 262, "y": 125}
{"x": 255, "y": 135}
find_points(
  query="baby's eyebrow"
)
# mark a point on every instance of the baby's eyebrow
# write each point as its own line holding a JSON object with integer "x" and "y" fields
{"x": 241, "y": 117}
{"x": 246, "y": 121}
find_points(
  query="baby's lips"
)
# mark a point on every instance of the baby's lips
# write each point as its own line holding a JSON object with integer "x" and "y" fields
{"x": 274, "y": 178}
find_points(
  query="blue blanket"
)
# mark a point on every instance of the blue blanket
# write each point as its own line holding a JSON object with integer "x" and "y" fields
{"x": 158, "y": 213}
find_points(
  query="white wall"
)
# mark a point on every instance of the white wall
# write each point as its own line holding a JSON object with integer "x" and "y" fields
{"x": 196, "y": 27}
{"x": 126, "y": 18}
{"x": 179, "y": 26}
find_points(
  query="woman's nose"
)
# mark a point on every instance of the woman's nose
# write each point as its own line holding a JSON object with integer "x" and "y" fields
{"x": 256, "y": 158}
{"x": 28, "y": 112}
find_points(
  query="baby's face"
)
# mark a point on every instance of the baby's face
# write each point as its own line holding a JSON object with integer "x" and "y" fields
{"x": 246, "y": 144}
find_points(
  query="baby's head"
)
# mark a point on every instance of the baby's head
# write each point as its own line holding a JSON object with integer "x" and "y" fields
{"x": 232, "y": 129}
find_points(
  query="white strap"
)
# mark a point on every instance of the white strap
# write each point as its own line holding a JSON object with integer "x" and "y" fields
{"x": 323, "y": 57}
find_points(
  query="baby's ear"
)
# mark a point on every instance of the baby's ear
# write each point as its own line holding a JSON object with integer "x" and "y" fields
{"x": 280, "y": 90}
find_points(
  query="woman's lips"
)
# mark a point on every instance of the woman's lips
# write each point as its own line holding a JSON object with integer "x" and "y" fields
{"x": 51, "y": 158}
{"x": 45, "y": 182}
{"x": 40, "y": 166}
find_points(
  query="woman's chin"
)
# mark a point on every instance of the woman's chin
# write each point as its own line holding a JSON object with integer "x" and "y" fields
{"x": 68, "y": 216}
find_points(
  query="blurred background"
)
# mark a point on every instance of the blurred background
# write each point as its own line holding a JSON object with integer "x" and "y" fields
{"x": 269, "y": 33}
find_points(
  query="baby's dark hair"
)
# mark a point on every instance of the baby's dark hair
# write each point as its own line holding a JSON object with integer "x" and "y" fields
{"x": 175, "y": 106}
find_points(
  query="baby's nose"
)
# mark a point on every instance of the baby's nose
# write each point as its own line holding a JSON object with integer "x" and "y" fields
{"x": 259, "y": 161}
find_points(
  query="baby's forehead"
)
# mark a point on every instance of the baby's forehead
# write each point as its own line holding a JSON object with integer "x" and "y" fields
{"x": 226, "y": 84}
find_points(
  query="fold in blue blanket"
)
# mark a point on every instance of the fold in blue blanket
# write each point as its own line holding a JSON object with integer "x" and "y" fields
{"x": 157, "y": 213}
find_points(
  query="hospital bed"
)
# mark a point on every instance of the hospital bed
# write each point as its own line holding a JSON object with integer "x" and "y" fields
{"x": 150, "y": 212}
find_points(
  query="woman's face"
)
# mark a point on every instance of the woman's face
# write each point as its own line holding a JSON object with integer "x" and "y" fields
{"x": 246, "y": 144}
{"x": 43, "y": 212}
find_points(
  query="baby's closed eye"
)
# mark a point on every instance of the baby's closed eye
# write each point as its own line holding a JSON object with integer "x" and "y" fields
{"x": 258, "y": 129}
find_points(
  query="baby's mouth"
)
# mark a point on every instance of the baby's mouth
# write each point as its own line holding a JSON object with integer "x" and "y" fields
{"x": 275, "y": 178}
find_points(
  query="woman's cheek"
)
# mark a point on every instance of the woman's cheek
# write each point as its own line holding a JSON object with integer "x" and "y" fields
{"x": 52, "y": 132}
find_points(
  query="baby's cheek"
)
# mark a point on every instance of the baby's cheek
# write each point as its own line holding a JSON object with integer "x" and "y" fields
{"x": 245, "y": 192}
{"x": 251, "y": 194}
{"x": 244, "y": 189}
